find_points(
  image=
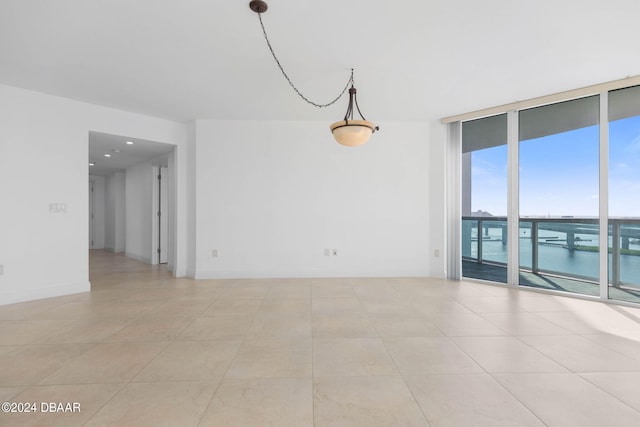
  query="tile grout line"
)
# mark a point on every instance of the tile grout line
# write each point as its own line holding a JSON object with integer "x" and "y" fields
{"x": 126, "y": 383}
{"x": 490, "y": 375}
{"x": 226, "y": 371}
{"x": 580, "y": 375}
{"x": 400, "y": 374}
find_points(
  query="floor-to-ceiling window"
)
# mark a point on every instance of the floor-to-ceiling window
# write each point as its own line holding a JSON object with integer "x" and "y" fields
{"x": 558, "y": 196}
{"x": 561, "y": 180}
{"x": 624, "y": 194}
{"x": 484, "y": 198}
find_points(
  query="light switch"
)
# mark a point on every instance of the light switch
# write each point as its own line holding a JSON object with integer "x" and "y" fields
{"x": 58, "y": 208}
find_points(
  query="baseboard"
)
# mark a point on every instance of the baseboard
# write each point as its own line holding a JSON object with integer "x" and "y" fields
{"x": 302, "y": 274}
{"x": 179, "y": 272}
{"x": 114, "y": 250}
{"x": 190, "y": 273}
{"x": 40, "y": 293}
{"x": 138, "y": 257}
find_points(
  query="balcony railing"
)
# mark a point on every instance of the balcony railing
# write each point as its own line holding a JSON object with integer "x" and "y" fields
{"x": 566, "y": 247}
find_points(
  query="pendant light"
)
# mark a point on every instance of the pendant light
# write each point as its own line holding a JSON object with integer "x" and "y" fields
{"x": 353, "y": 132}
{"x": 348, "y": 131}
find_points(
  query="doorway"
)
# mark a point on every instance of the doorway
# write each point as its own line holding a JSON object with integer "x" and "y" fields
{"x": 91, "y": 213}
{"x": 162, "y": 205}
{"x": 137, "y": 200}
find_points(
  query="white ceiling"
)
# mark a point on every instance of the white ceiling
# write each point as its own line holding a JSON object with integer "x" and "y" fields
{"x": 122, "y": 155}
{"x": 414, "y": 59}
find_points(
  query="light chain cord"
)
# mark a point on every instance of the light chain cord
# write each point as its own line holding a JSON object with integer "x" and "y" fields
{"x": 289, "y": 80}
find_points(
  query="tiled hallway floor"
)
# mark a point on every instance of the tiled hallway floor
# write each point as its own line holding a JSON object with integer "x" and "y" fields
{"x": 144, "y": 349}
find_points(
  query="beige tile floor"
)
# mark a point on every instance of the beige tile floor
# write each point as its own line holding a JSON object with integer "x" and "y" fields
{"x": 145, "y": 349}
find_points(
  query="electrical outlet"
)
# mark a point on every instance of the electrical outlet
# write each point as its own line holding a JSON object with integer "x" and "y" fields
{"x": 334, "y": 252}
{"x": 214, "y": 253}
{"x": 327, "y": 252}
{"x": 436, "y": 253}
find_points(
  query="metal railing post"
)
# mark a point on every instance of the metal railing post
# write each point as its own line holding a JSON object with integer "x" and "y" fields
{"x": 534, "y": 247}
{"x": 480, "y": 235}
{"x": 615, "y": 254}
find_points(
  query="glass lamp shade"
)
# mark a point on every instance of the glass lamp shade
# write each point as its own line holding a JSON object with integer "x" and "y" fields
{"x": 352, "y": 132}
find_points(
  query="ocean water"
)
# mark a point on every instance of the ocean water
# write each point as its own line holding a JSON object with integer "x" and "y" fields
{"x": 554, "y": 258}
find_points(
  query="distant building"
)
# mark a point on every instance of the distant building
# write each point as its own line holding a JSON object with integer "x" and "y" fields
{"x": 481, "y": 213}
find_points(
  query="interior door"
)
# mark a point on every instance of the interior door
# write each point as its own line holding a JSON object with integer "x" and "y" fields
{"x": 91, "y": 214}
{"x": 163, "y": 218}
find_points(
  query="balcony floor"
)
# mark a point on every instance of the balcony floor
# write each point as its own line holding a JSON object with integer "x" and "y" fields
{"x": 495, "y": 273}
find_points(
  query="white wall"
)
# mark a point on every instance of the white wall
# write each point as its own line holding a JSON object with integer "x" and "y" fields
{"x": 139, "y": 211}
{"x": 272, "y": 195}
{"x": 190, "y": 199}
{"x": 115, "y": 212}
{"x": 43, "y": 160}
{"x": 176, "y": 209}
{"x": 438, "y": 193}
{"x": 99, "y": 211}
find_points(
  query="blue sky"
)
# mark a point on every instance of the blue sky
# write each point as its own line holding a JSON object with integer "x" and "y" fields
{"x": 559, "y": 174}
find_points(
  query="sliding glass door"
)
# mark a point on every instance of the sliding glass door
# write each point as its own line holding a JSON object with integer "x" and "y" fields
{"x": 624, "y": 194}
{"x": 558, "y": 196}
{"x": 484, "y": 198}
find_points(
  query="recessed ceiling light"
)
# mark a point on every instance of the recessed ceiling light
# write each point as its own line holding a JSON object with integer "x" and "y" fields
{"x": 107, "y": 155}
{"x": 129, "y": 143}
{"x": 92, "y": 163}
